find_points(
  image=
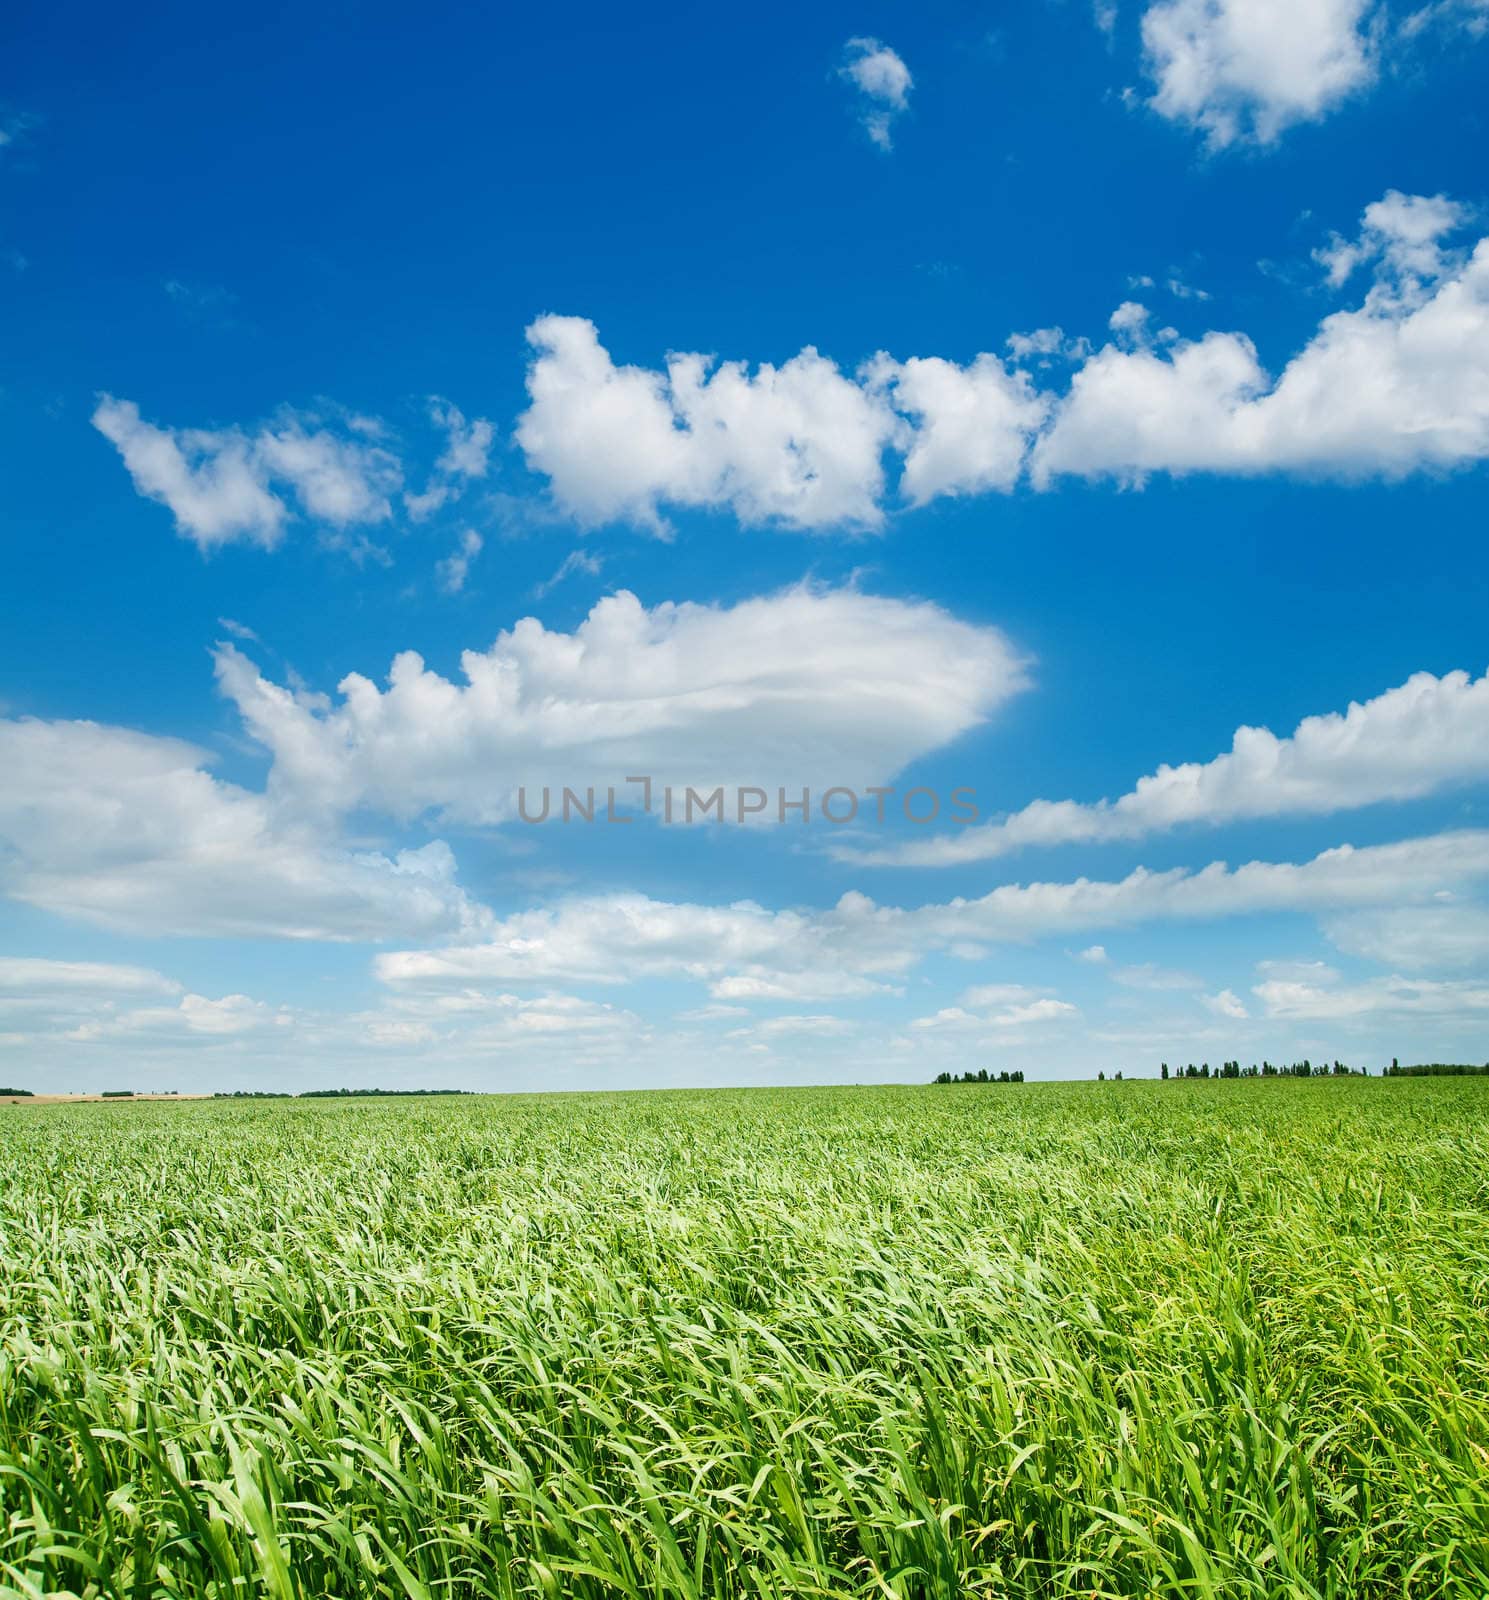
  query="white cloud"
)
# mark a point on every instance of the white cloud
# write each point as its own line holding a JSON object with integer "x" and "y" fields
{"x": 809, "y": 687}
{"x": 1403, "y": 235}
{"x": 575, "y": 561}
{"x": 1129, "y": 320}
{"x": 468, "y": 444}
{"x": 713, "y": 1013}
{"x": 1468, "y": 16}
{"x": 129, "y": 831}
{"x": 742, "y": 951}
{"x": 211, "y": 482}
{"x": 1396, "y": 385}
{"x": 1226, "y": 1004}
{"x": 32, "y": 977}
{"x": 220, "y": 485}
{"x": 471, "y": 1022}
{"x": 49, "y": 1003}
{"x": 195, "y": 1017}
{"x": 798, "y": 444}
{"x": 883, "y": 79}
{"x": 997, "y": 1007}
{"x": 972, "y": 425}
{"x": 338, "y": 481}
{"x": 466, "y": 456}
{"x": 1045, "y": 345}
{"x": 1297, "y": 1001}
{"x": 1145, "y": 975}
{"x": 626, "y": 938}
{"x": 1400, "y": 384}
{"x": 1298, "y": 971}
{"x": 1245, "y": 70}
{"x": 805, "y": 985}
{"x": 815, "y": 1027}
{"x": 451, "y": 572}
{"x": 1419, "y": 938}
{"x": 1095, "y": 953}
{"x": 1423, "y": 736}
{"x": 983, "y": 996}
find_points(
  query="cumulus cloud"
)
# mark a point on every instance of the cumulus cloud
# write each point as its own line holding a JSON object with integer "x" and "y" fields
{"x": 1246, "y": 70}
{"x": 798, "y": 444}
{"x": 970, "y": 426}
{"x": 1394, "y": 385}
{"x": 1423, "y": 736}
{"x": 884, "y": 82}
{"x": 1226, "y": 1004}
{"x": 131, "y": 832}
{"x": 225, "y": 485}
{"x": 808, "y": 687}
{"x": 1377, "y": 392}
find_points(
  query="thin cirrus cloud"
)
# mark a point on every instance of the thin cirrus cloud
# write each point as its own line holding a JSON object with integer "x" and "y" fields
{"x": 1425, "y": 735}
{"x": 1450, "y": 934}
{"x": 809, "y": 687}
{"x": 234, "y": 485}
{"x": 883, "y": 82}
{"x": 1467, "y": 1001}
{"x": 451, "y": 572}
{"x": 1397, "y": 384}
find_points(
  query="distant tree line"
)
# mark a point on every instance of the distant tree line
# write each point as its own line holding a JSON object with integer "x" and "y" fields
{"x": 1267, "y": 1069}
{"x": 327, "y": 1094}
{"x": 1234, "y": 1069}
{"x": 1437, "y": 1069}
{"x": 24, "y": 1094}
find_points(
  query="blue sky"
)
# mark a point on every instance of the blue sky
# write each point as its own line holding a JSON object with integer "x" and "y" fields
{"x": 1021, "y": 400}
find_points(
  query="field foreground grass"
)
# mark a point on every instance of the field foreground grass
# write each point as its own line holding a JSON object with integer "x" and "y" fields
{"x": 1097, "y": 1340}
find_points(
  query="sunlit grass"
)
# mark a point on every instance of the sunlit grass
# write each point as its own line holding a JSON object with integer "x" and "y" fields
{"x": 1117, "y": 1340}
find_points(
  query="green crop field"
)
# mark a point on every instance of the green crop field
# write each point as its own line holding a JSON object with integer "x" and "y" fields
{"x": 1126, "y": 1339}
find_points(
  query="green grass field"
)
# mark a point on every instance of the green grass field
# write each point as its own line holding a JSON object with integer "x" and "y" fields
{"x": 1088, "y": 1340}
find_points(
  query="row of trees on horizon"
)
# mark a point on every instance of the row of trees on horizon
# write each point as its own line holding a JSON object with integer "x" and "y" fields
{"x": 1266, "y": 1069}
